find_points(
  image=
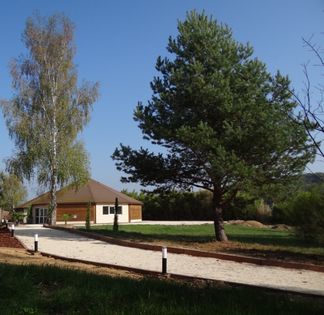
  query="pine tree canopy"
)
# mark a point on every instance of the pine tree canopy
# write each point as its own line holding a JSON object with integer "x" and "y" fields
{"x": 224, "y": 121}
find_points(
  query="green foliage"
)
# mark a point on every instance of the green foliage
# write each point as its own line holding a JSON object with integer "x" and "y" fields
{"x": 283, "y": 212}
{"x": 175, "y": 205}
{"x": 12, "y": 192}
{"x": 48, "y": 109}
{"x": 223, "y": 120}
{"x": 30, "y": 214}
{"x": 66, "y": 217}
{"x": 308, "y": 213}
{"x": 310, "y": 180}
{"x": 179, "y": 205}
{"x": 87, "y": 224}
{"x": 17, "y": 217}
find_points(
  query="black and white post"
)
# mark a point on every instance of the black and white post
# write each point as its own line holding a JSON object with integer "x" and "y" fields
{"x": 12, "y": 230}
{"x": 164, "y": 260}
{"x": 36, "y": 243}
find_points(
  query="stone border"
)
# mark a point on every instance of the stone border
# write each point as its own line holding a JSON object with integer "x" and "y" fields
{"x": 191, "y": 252}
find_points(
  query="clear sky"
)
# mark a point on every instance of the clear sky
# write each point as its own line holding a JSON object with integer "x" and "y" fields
{"x": 117, "y": 45}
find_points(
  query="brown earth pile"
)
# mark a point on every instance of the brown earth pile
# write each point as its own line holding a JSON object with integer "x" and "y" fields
{"x": 6, "y": 240}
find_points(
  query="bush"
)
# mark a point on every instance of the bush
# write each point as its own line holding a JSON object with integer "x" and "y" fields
{"x": 66, "y": 217}
{"x": 308, "y": 212}
{"x": 197, "y": 205}
{"x": 247, "y": 207}
{"x": 283, "y": 213}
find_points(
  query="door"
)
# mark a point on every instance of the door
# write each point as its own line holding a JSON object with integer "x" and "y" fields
{"x": 41, "y": 215}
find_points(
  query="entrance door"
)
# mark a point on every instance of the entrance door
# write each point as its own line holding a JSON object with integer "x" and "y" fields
{"x": 41, "y": 215}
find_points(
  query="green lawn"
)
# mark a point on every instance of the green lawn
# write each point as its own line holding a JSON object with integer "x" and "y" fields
{"x": 244, "y": 238}
{"x": 199, "y": 233}
{"x": 50, "y": 290}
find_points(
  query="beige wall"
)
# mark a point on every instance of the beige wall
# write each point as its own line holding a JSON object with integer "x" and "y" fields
{"x": 109, "y": 218}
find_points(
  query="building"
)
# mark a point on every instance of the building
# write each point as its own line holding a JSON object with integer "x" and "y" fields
{"x": 73, "y": 204}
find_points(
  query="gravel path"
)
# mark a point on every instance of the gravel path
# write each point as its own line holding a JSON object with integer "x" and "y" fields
{"x": 73, "y": 246}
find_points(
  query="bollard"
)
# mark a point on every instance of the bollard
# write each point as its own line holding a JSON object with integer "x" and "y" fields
{"x": 164, "y": 259}
{"x": 36, "y": 243}
{"x": 12, "y": 230}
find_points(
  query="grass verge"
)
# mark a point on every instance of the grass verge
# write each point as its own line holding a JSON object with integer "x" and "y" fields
{"x": 32, "y": 289}
{"x": 260, "y": 242}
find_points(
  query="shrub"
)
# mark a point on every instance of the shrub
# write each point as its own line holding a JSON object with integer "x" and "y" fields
{"x": 66, "y": 217}
{"x": 308, "y": 212}
{"x": 283, "y": 213}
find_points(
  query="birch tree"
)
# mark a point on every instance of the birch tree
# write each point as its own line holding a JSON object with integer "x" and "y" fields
{"x": 48, "y": 109}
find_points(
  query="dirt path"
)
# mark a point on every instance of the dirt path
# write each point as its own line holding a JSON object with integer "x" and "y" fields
{"x": 73, "y": 246}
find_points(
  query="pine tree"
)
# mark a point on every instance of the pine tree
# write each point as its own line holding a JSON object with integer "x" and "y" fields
{"x": 224, "y": 122}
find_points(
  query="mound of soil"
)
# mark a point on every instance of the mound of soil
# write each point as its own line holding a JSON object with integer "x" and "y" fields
{"x": 253, "y": 223}
{"x": 249, "y": 223}
{"x": 7, "y": 241}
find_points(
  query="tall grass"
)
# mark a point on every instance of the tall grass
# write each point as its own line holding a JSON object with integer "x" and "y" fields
{"x": 51, "y": 290}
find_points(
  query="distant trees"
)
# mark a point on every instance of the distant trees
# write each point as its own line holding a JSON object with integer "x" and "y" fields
{"x": 12, "y": 192}
{"x": 224, "y": 122}
{"x": 175, "y": 205}
{"x": 48, "y": 110}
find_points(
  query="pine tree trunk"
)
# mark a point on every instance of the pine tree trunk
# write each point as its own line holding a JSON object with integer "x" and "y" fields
{"x": 218, "y": 221}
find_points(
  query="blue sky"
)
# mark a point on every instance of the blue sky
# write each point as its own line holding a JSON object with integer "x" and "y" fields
{"x": 117, "y": 45}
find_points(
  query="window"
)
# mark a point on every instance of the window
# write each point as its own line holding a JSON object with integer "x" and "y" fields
{"x": 119, "y": 210}
{"x": 105, "y": 210}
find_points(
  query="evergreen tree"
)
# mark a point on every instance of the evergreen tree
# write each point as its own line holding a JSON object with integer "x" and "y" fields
{"x": 223, "y": 120}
